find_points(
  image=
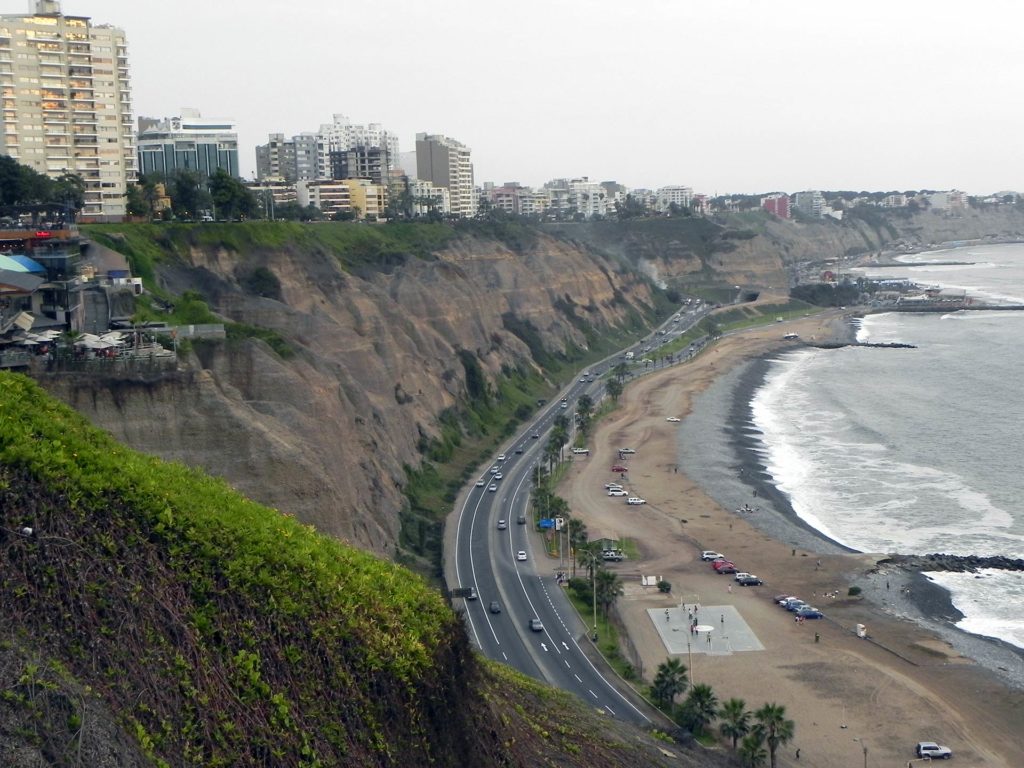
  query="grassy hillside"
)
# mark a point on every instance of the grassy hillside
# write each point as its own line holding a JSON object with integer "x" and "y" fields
{"x": 217, "y": 632}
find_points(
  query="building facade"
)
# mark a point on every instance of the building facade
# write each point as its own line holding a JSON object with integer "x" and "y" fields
{"x": 446, "y": 163}
{"x": 275, "y": 160}
{"x": 667, "y": 197}
{"x": 811, "y": 202}
{"x": 360, "y": 162}
{"x": 776, "y": 205}
{"x": 190, "y": 143}
{"x": 67, "y": 103}
{"x": 331, "y": 197}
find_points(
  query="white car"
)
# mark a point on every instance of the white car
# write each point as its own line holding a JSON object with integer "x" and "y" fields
{"x": 492, "y": 488}
{"x": 501, "y": 457}
{"x": 521, "y": 554}
{"x": 498, "y": 475}
{"x": 635, "y": 500}
{"x": 673, "y": 419}
{"x": 611, "y": 486}
{"x": 627, "y": 450}
{"x": 494, "y": 470}
{"x": 502, "y": 525}
{"x": 741, "y": 575}
{"x": 710, "y": 554}
{"x": 933, "y": 750}
{"x": 617, "y": 492}
{"x": 480, "y": 483}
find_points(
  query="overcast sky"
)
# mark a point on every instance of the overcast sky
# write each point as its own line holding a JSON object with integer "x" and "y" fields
{"x": 721, "y": 95}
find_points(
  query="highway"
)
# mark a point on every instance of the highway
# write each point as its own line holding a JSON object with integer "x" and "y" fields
{"x": 485, "y": 558}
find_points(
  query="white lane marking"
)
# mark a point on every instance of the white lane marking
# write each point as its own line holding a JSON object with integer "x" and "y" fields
{"x": 592, "y": 693}
{"x": 610, "y": 710}
{"x": 458, "y": 549}
{"x": 578, "y": 678}
{"x": 505, "y": 655}
{"x": 566, "y": 647}
{"x": 567, "y": 664}
{"x": 542, "y": 645}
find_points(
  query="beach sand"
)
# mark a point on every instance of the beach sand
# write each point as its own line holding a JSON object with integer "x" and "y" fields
{"x": 906, "y": 682}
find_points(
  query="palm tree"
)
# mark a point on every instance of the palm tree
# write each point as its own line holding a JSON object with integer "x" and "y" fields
{"x": 669, "y": 681}
{"x": 773, "y": 727}
{"x": 590, "y": 558}
{"x": 700, "y": 707}
{"x": 620, "y": 371}
{"x": 752, "y": 751}
{"x": 577, "y": 538}
{"x": 735, "y": 720}
{"x": 614, "y": 389}
{"x": 609, "y": 588}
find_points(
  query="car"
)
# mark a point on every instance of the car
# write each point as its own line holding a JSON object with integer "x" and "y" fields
{"x": 721, "y": 563}
{"x": 795, "y": 605}
{"x": 521, "y": 520}
{"x": 673, "y": 419}
{"x": 726, "y": 568}
{"x": 619, "y": 468}
{"x": 710, "y": 554}
{"x": 582, "y": 379}
{"x": 480, "y": 483}
{"x": 519, "y": 449}
{"x": 627, "y": 450}
{"x": 535, "y": 436}
{"x": 494, "y": 607}
{"x": 494, "y": 470}
{"x": 635, "y": 500}
{"x": 583, "y": 451}
{"x": 750, "y": 580}
{"x": 807, "y": 612}
{"x": 492, "y": 487}
{"x": 498, "y": 475}
{"x": 740, "y": 574}
{"x": 609, "y": 486}
{"x": 472, "y": 594}
{"x": 501, "y": 457}
{"x": 565, "y": 405}
{"x": 779, "y": 598}
{"x": 536, "y": 625}
{"x": 613, "y": 555}
{"x": 521, "y": 554}
{"x": 502, "y": 525}
{"x": 933, "y": 750}
{"x": 617, "y": 492}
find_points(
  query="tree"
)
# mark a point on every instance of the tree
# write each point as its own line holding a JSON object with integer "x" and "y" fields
{"x": 620, "y": 371}
{"x": 232, "y": 198}
{"x": 614, "y": 389}
{"x": 773, "y": 727}
{"x": 590, "y": 558}
{"x": 69, "y": 189}
{"x": 609, "y": 589}
{"x": 188, "y": 194}
{"x": 585, "y": 409}
{"x": 752, "y": 752}
{"x": 669, "y": 681}
{"x": 700, "y": 708}
{"x": 137, "y": 205}
{"x": 577, "y": 538}
{"x": 735, "y": 720}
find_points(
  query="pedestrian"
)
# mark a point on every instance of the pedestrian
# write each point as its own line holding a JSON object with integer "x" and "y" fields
{"x": 798, "y": 753}
{"x": 729, "y": 588}
{"x": 723, "y": 619}
{"x": 886, "y": 584}
{"x": 666, "y": 614}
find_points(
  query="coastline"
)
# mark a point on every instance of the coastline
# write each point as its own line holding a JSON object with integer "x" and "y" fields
{"x": 911, "y": 594}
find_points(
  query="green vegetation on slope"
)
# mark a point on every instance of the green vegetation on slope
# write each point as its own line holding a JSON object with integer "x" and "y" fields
{"x": 224, "y": 633}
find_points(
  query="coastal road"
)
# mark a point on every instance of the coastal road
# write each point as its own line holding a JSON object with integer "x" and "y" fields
{"x": 484, "y": 557}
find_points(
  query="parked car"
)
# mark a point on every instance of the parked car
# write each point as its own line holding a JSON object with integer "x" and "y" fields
{"x": 750, "y": 580}
{"x": 627, "y": 450}
{"x": 619, "y": 468}
{"x": 472, "y": 594}
{"x": 807, "y": 612}
{"x": 502, "y": 525}
{"x": 617, "y": 492}
{"x": 635, "y": 500}
{"x": 494, "y": 607}
{"x": 795, "y": 605}
{"x": 710, "y": 554}
{"x": 740, "y": 574}
{"x": 673, "y": 419}
{"x": 536, "y": 625}
{"x": 933, "y": 750}
{"x": 717, "y": 564}
{"x": 521, "y": 554}
{"x": 779, "y": 598}
{"x": 612, "y": 555}
{"x": 610, "y": 486}
{"x": 581, "y": 451}
{"x": 726, "y": 568}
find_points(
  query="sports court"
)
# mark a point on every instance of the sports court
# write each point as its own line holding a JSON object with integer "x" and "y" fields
{"x": 719, "y": 630}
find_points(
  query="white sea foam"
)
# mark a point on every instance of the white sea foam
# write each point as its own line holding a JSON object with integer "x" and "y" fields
{"x": 990, "y": 600}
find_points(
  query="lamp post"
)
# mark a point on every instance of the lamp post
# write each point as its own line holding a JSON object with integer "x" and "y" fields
{"x": 864, "y": 746}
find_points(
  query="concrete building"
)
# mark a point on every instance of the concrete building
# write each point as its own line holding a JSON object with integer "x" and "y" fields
{"x": 953, "y": 201}
{"x": 515, "y": 199}
{"x": 190, "y": 142}
{"x": 342, "y": 135}
{"x": 667, "y": 197}
{"x": 811, "y": 202}
{"x": 588, "y": 198}
{"x": 894, "y": 201}
{"x": 776, "y": 205}
{"x": 366, "y": 199}
{"x": 427, "y": 198}
{"x": 446, "y": 163}
{"x": 275, "y": 160}
{"x": 330, "y": 196}
{"x": 361, "y": 162}
{"x": 67, "y": 103}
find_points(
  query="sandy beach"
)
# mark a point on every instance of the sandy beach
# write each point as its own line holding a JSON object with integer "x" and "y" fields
{"x": 913, "y": 677}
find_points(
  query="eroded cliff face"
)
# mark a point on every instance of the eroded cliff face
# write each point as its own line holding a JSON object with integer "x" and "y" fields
{"x": 326, "y": 435}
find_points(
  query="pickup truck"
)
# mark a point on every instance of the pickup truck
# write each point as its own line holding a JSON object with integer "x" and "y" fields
{"x": 933, "y": 750}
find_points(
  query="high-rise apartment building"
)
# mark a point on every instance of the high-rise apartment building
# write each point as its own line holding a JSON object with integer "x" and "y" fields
{"x": 342, "y": 135}
{"x": 776, "y": 205}
{"x": 67, "y": 103}
{"x": 445, "y": 163}
{"x": 276, "y": 159}
{"x": 189, "y": 142}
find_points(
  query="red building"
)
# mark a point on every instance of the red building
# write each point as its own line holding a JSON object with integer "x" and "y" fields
{"x": 777, "y": 205}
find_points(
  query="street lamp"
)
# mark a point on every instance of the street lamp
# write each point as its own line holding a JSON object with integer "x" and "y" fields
{"x": 864, "y": 745}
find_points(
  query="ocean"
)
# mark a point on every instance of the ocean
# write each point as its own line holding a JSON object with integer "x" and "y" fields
{"x": 916, "y": 451}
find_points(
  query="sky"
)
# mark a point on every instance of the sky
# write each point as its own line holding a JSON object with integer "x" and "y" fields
{"x": 725, "y": 96}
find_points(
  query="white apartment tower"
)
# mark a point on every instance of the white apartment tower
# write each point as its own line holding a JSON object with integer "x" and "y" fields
{"x": 445, "y": 163}
{"x": 67, "y": 103}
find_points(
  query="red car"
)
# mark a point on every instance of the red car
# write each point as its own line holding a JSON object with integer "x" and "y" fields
{"x": 719, "y": 565}
{"x": 619, "y": 468}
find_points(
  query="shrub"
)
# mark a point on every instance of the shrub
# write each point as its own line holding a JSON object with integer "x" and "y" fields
{"x": 853, "y": 591}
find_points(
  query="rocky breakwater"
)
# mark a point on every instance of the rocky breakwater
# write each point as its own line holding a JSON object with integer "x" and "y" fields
{"x": 956, "y": 563}
{"x": 378, "y": 352}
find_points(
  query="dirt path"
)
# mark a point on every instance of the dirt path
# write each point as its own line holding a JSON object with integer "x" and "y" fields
{"x": 843, "y": 692}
